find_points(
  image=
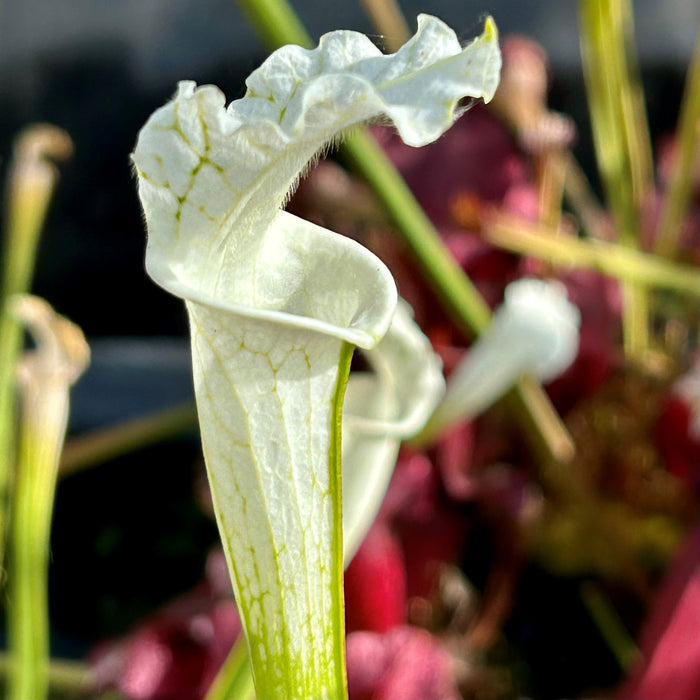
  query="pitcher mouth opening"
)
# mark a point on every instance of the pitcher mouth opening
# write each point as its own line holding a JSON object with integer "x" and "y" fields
{"x": 353, "y": 332}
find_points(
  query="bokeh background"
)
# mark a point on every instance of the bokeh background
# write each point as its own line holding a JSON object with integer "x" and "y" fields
{"x": 128, "y": 535}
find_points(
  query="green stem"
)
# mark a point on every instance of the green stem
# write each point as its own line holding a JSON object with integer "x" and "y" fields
{"x": 459, "y": 295}
{"x": 617, "y": 261}
{"x": 388, "y": 20}
{"x": 618, "y": 119}
{"x": 31, "y": 185}
{"x": 621, "y": 138}
{"x": 276, "y": 23}
{"x": 44, "y": 377}
{"x": 610, "y": 626}
{"x": 10, "y": 346}
{"x": 680, "y": 185}
{"x": 43, "y": 427}
{"x": 71, "y": 678}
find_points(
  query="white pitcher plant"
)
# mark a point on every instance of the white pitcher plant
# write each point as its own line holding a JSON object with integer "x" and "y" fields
{"x": 276, "y": 307}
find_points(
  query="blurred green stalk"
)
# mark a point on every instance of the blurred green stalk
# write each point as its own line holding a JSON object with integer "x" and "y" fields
{"x": 31, "y": 182}
{"x": 464, "y": 302}
{"x": 610, "y": 625}
{"x": 28, "y": 613}
{"x": 621, "y": 138}
{"x": 389, "y": 21}
{"x": 618, "y": 261}
{"x": 66, "y": 677}
{"x": 276, "y": 22}
{"x": 685, "y": 157}
{"x": 45, "y": 375}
